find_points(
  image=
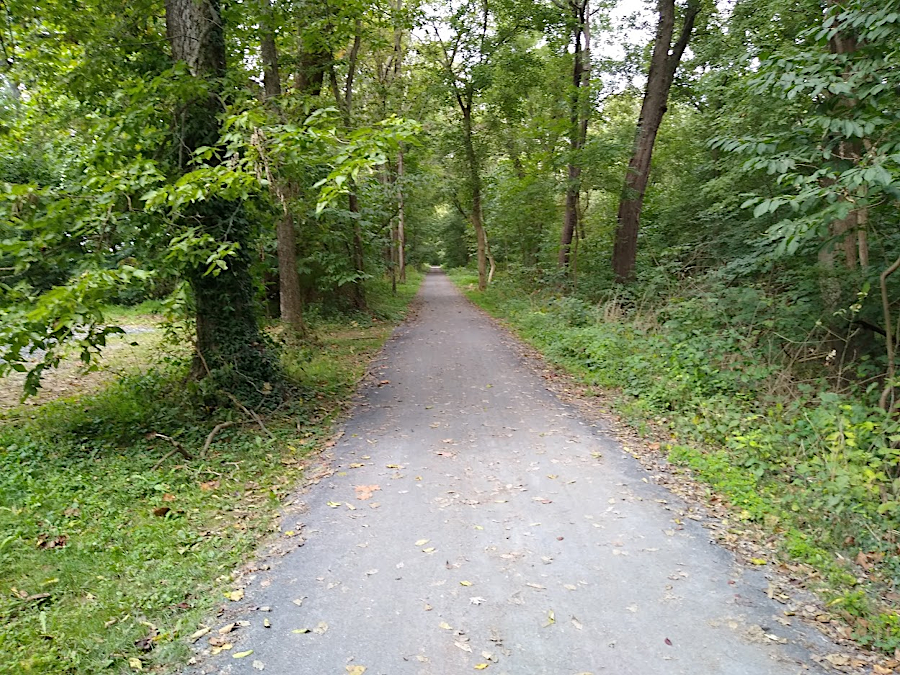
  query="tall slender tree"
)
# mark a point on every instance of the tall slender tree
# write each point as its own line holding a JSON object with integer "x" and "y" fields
{"x": 663, "y": 64}
{"x": 579, "y": 14}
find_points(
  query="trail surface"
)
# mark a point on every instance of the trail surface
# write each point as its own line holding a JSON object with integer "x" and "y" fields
{"x": 471, "y": 518}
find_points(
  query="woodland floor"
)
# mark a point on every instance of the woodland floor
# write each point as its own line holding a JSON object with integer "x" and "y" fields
{"x": 470, "y": 519}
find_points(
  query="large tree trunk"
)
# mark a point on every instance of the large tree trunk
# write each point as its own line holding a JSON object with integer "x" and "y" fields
{"x": 476, "y": 214}
{"x": 579, "y": 117}
{"x": 289, "y": 294}
{"x": 663, "y": 65}
{"x": 230, "y": 345}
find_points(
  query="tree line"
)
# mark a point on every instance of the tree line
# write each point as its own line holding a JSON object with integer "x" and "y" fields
{"x": 247, "y": 159}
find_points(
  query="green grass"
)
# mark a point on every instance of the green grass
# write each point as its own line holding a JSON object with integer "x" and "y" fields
{"x": 101, "y": 549}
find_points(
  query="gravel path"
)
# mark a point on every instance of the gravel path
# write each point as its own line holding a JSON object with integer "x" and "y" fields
{"x": 473, "y": 522}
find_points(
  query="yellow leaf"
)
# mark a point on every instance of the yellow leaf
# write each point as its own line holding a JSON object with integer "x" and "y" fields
{"x": 300, "y": 630}
{"x": 445, "y": 625}
{"x": 393, "y": 466}
{"x": 481, "y": 666}
{"x": 757, "y": 561}
{"x": 240, "y": 655}
{"x": 135, "y": 664}
{"x": 465, "y": 583}
{"x": 234, "y": 596}
{"x": 430, "y": 549}
{"x": 198, "y": 634}
{"x": 357, "y": 465}
{"x": 479, "y": 527}
{"x": 356, "y": 670}
{"x": 333, "y": 505}
{"x": 421, "y": 542}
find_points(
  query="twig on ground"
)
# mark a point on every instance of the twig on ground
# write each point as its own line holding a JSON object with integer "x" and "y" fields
{"x": 252, "y": 415}
{"x": 178, "y": 449}
{"x": 212, "y": 435}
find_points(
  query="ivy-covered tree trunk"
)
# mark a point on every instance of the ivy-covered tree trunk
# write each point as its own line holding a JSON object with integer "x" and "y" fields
{"x": 663, "y": 64}
{"x": 230, "y": 346}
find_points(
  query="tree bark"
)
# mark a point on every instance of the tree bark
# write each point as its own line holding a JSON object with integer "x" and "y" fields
{"x": 476, "y": 215}
{"x": 290, "y": 297}
{"x": 401, "y": 220}
{"x": 230, "y": 345}
{"x": 579, "y": 117}
{"x": 663, "y": 64}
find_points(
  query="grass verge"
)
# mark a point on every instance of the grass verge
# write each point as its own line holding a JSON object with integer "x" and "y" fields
{"x": 110, "y": 551}
{"x": 815, "y": 469}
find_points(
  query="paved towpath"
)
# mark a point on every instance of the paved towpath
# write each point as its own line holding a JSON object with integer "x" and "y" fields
{"x": 474, "y": 522}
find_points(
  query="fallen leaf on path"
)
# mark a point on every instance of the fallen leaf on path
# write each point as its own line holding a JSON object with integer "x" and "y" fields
{"x": 356, "y": 670}
{"x": 333, "y": 505}
{"x": 430, "y": 549}
{"x": 320, "y": 628}
{"x": 267, "y": 623}
{"x": 576, "y": 623}
{"x": 227, "y": 628}
{"x": 537, "y": 586}
{"x": 757, "y": 561}
{"x": 241, "y": 655}
{"x": 570, "y": 587}
{"x": 551, "y": 618}
{"x": 364, "y": 492}
{"x": 393, "y": 466}
{"x": 445, "y": 625}
{"x": 463, "y": 646}
{"x": 465, "y": 583}
{"x": 259, "y": 665}
{"x": 668, "y": 642}
{"x": 199, "y": 634}
{"x": 481, "y": 666}
{"x": 371, "y": 572}
{"x": 374, "y": 505}
{"x": 234, "y": 596}
{"x": 223, "y": 648}
{"x": 476, "y": 600}
{"x": 301, "y": 630}
{"x": 350, "y": 506}
{"x": 298, "y": 601}
{"x": 422, "y": 542}
{"x": 356, "y": 465}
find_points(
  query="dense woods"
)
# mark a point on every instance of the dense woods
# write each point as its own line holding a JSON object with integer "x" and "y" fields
{"x": 694, "y": 203}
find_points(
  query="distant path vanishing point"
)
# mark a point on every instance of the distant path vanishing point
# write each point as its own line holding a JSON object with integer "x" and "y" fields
{"x": 473, "y": 522}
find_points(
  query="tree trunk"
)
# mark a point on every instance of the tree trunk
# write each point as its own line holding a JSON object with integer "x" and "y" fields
{"x": 663, "y": 65}
{"x": 579, "y": 117}
{"x": 476, "y": 215}
{"x": 357, "y": 293}
{"x": 230, "y": 346}
{"x": 401, "y": 220}
{"x": 289, "y": 293}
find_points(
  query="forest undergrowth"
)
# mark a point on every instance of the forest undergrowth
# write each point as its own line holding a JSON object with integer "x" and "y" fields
{"x": 114, "y": 543}
{"x": 783, "y": 430}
